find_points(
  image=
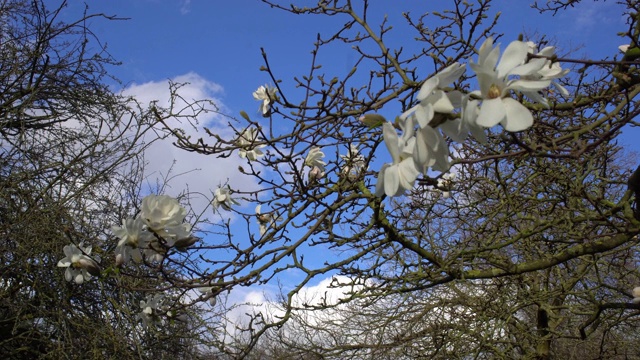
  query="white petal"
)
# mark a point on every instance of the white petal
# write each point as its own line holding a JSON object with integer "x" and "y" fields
{"x": 407, "y": 174}
{"x": 391, "y": 180}
{"x": 536, "y": 97}
{"x": 391, "y": 141}
{"x": 478, "y": 133}
{"x": 455, "y": 97}
{"x": 518, "y": 116}
{"x": 455, "y": 129}
{"x": 485, "y": 48}
{"x": 491, "y": 112}
{"x": 68, "y": 274}
{"x": 451, "y": 73}
{"x": 424, "y": 114}
{"x": 530, "y": 68}
{"x": 563, "y": 91}
{"x": 421, "y": 152}
{"x": 441, "y": 102}
{"x": 380, "y": 183}
{"x": 527, "y": 85}
{"x": 514, "y": 55}
{"x": 65, "y": 262}
{"x": 492, "y": 58}
{"x": 428, "y": 87}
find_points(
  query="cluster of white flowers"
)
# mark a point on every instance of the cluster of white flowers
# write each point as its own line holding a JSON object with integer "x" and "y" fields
{"x": 266, "y": 95}
{"x": 79, "y": 265}
{"x": 422, "y": 146}
{"x": 151, "y": 308}
{"x": 159, "y": 226}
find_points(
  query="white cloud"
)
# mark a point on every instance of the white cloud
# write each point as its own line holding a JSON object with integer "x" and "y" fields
{"x": 201, "y": 174}
{"x": 185, "y": 7}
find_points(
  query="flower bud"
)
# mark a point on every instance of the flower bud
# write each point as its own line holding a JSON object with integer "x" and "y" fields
{"x": 184, "y": 243}
{"x": 119, "y": 260}
{"x": 372, "y": 120}
{"x": 90, "y": 265}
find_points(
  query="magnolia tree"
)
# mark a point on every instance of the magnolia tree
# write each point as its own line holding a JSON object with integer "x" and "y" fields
{"x": 471, "y": 195}
{"x": 72, "y": 165}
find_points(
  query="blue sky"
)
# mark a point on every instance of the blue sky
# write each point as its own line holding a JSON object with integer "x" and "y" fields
{"x": 216, "y": 45}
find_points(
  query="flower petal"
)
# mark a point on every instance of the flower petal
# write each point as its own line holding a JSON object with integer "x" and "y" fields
{"x": 514, "y": 55}
{"x": 407, "y": 174}
{"x": 391, "y": 180}
{"x": 391, "y": 141}
{"x": 518, "y": 117}
{"x": 491, "y": 112}
{"x": 427, "y": 88}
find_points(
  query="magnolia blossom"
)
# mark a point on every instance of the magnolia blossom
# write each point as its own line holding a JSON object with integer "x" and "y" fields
{"x": 247, "y": 144}
{"x": 151, "y": 310}
{"x": 265, "y": 94}
{"x": 314, "y": 158}
{"x": 432, "y": 99}
{"x": 549, "y": 71}
{"x": 79, "y": 265}
{"x": 161, "y": 211}
{"x": 160, "y": 225}
{"x": 496, "y": 80}
{"x": 207, "y": 292}
{"x": 132, "y": 238}
{"x": 354, "y": 163}
{"x": 265, "y": 220}
{"x": 315, "y": 174}
{"x": 431, "y": 150}
{"x": 222, "y": 197}
{"x": 445, "y": 183}
{"x": 395, "y": 178}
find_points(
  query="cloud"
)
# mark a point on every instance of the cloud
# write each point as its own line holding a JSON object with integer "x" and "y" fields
{"x": 185, "y": 7}
{"x": 267, "y": 301}
{"x": 200, "y": 174}
{"x": 591, "y": 16}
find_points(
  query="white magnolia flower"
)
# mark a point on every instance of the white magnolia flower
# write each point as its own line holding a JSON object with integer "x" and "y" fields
{"x": 395, "y": 178}
{"x": 315, "y": 174}
{"x": 247, "y": 143}
{"x": 161, "y": 211}
{"x": 222, "y": 197}
{"x": 431, "y": 150}
{"x": 636, "y": 295}
{"x": 164, "y": 216}
{"x": 314, "y": 158}
{"x": 432, "y": 98}
{"x": 354, "y": 163}
{"x": 207, "y": 291}
{"x": 151, "y": 310}
{"x": 469, "y": 118}
{"x": 266, "y": 94}
{"x": 132, "y": 238}
{"x": 497, "y": 80}
{"x": 445, "y": 183}
{"x": 79, "y": 265}
{"x": 549, "y": 71}
{"x": 265, "y": 220}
